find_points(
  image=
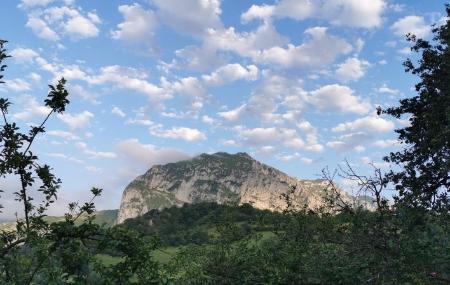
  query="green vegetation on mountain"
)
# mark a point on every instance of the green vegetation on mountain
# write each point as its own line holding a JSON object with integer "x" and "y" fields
{"x": 198, "y": 223}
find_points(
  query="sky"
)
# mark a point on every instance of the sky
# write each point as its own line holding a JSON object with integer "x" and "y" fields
{"x": 294, "y": 83}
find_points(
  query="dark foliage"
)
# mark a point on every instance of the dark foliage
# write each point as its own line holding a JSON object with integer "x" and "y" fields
{"x": 424, "y": 179}
{"x": 198, "y": 223}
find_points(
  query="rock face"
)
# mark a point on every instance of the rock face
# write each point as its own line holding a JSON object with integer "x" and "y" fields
{"x": 222, "y": 178}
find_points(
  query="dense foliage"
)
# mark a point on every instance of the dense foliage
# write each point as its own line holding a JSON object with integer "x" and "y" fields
{"x": 242, "y": 245}
{"x": 424, "y": 180}
{"x": 198, "y": 223}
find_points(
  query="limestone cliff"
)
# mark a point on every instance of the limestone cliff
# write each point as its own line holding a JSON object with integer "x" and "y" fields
{"x": 222, "y": 178}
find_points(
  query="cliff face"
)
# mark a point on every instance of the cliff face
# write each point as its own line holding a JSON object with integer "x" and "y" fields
{"x": 221, "y": 178}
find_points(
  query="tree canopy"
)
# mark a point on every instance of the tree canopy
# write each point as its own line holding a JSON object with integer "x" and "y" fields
{"x": 424, "y": 178}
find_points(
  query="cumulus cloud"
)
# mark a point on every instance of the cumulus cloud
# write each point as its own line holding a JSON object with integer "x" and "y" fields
{"x": 413, "y": 24}
{"x": 352, "y": 69}
{"x": 295, "y": 156}
{"x": 351, "y": 141}
{"x": 24, "y": 55}
{"x": 41, "y": 29}
{"x": 385, "y": 143}
{"x": 386, "y": 89}
{"x": 193, "y": 17}
{"x": 235, "y": 114}
{"x": 80, "y": 27}
{"x": 51, "y": 22}
{"x": 78, "y": 91}
{"x": 246, "y": 44}
{"x": 30, "y": 108}
{"x": 129, "y": 78}
{"x": 65, "y": 157}
{"x": 286, "y": 137}
{"x": 118, "y": 112}
{"x": 321, "y": 49}
{"x": 146, "y": 155}
{"x": 33, "y": 3}
{"x": 181, "y": 133}
{"x": 17, "y": 85}
{"x": 76, "y": 121}
{"x": 361, "y": 13}
{"x": 138, "y": 26}
{"x": 63, "y": 134}
{"x": 340, "y": 98}
{"x": 231, "y": 72}
{"x": 369, "y": 124}
{"x": 92, "y": 153}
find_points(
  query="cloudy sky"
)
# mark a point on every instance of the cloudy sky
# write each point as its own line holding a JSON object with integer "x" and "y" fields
{"x": 295, "y": 83}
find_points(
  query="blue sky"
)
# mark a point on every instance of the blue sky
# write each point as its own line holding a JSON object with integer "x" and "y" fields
{"x": 294, "y": 83}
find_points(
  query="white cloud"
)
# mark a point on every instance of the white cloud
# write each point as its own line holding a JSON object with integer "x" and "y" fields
{"x": 183, "y": 133}
{"x": 295, "y": 156}
{"x": 385, "y": 143}
{"x": 190, "y": 16}
{"x": 80, "y": 27}
{"x": 118, "y": 112}
{"x": 282, "y": 136}
{"x": 340, "y": 98}
{"x": 233, "y": 115}
{"x": 189, "y": 86}
{"x": 36, "y": 78}
{"x": 246, "y": 44}
{"x": 138, "y": 26}
{"x": 274, "y": 93}
{"x": 353, "y": 13}
{"x": 41, "y": 29}
{"x": 34, "y": 3}
{"x": 266, "y": 150}
{"x": 258, "y": 12}
{"x": 415, "y": 25}
{"x": 92, "y": 153}
{"x": 208, "y": 120}
{"x": 352, "y": 69}
{"x": 231, "y": 72}
{"x": 230, "y": 143}
{"x": 142, "y": 122}
{"x": 78, "y": 91}
{"x": 350, "y": 142}
{"x": 386, "y": 89}
{"x": 129, "y": 78}
{"x": 17, "y": 85}
{"x": 30, "y": 108}
{"x": 368, "y": 124}
{"x": 63, "y": 134}
{"x": 74, "y": 22}
{"x": 24, "y": 55}
{"x": 76, "y": 121}
{"x": 65, "y": 157}
{"x": 405, "y": 51}
{"x": 321, "y": 49}
{"x": 146, "y": 155}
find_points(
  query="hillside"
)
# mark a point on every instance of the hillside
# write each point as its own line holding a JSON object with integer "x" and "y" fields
{"x": 222, "y": 178}
{"x": 197, "y": 223}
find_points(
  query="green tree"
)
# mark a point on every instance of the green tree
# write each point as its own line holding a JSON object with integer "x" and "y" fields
{"x": 38, "y": 252}
{"x": 424, "y": 178}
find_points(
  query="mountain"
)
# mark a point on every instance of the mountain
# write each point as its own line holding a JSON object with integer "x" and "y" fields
{"x": 221, "y": 178}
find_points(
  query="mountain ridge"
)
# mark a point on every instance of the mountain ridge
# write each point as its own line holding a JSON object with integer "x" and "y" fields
{"x": 222, "y": 178}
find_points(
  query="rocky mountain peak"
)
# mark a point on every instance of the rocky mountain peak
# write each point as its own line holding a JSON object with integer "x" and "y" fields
{"x": 220, "y": 177}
